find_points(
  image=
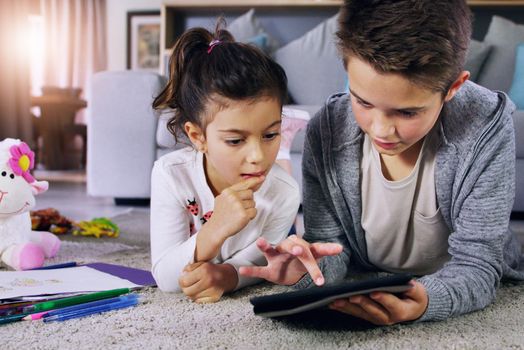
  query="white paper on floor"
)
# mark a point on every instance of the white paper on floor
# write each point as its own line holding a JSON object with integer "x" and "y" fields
{"x": 15, "y": 284}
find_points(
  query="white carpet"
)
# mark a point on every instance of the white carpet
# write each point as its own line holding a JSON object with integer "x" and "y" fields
{"x": 170, "y": 321}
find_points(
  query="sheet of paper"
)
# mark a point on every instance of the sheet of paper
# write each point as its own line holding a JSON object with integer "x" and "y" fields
{"x": 15, "y": 284}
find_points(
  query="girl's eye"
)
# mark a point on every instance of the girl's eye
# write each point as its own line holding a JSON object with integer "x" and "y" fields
{"x": 271, "y": 136}
{"x": 233, "y": 142}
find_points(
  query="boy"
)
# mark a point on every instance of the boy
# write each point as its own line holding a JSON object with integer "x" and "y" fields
{"x": 412, "y": 171}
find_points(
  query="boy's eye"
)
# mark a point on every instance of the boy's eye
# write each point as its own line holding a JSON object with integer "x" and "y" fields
{"x": 407, "y": 114}
{"x": 363, "y": 104}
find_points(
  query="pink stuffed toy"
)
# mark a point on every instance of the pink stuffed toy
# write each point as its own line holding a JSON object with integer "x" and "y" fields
{"x": 20, "y": 247}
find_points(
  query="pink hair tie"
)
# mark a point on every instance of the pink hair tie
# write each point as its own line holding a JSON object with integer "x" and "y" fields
{"x": 212, "y": 44}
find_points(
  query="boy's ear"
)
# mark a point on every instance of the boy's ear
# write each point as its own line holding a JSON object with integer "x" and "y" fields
{"x": 455, "y": 87}
{"x": 196, "y": 136}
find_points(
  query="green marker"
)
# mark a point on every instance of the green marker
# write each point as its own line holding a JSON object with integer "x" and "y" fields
{"x": 56, "y": 304}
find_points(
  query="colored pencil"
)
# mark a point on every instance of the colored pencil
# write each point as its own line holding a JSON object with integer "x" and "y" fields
{"x": 78, "y": 307}
{"x": 37, "y": 316}
{"x": 13, "y": 308}
{"x": 91, "y": 311}
{"x": 60, "y": 303}
{"x": 57, "y": 266}
{"x": 12, "y": 318}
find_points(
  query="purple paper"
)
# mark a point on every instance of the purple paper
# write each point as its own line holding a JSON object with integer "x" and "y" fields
{"x": 137, "y": 276}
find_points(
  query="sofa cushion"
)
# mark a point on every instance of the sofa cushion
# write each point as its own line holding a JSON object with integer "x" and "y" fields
{"x": 516, "y": 93}
{"x": 518, "y": 122}
{"x": 504, "y": 36}
{"x": 313, "y": 65}
{"x": 248, "y": 29}
{"x": 298, "y": 142}
{"x": 519, "y": 189}
{"x": 477, "y": 54}
{"x": 164, "y": 139}
{"x": 121, "y": 133}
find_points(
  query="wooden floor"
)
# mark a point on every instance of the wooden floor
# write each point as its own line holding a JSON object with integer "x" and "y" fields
{"x": 71, "y": 200}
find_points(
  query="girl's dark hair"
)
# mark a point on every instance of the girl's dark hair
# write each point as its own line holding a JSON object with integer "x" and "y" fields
{"x": 200, "y": 73}
{"x": 423, "y": 40}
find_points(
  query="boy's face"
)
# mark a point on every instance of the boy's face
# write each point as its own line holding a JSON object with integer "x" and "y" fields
{"x": 395, "y": 113}
{"x": 241, "y": 141}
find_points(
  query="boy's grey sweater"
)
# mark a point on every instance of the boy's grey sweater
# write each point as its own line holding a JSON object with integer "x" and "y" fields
{"x": 475, "y": 186}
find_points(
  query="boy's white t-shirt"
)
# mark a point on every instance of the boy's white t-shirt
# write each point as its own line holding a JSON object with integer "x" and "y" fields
{"x": 181, "y": 202}
{"x": 404, "y": 229}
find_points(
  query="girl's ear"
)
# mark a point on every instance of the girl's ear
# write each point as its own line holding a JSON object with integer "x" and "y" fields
{"x": 196, "y": 136}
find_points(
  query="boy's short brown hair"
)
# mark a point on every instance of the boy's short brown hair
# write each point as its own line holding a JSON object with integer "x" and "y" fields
{"x": 423, "y": 40}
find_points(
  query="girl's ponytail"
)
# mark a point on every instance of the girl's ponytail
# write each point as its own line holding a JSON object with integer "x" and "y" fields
{"x": 190, "y": 43}
{"x": 205, "y": 65}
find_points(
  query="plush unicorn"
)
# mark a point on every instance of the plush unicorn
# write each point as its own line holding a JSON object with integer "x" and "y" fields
{"x": 20, "y": 247}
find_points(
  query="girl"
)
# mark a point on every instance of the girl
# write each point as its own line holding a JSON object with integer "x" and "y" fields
{"x": 210, "y": 202}
{"x": 412, "y": 171}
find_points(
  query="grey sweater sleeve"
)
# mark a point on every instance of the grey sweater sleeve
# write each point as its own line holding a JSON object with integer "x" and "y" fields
{"x": 320, "y": 220}
{"x": 481, "y": 214}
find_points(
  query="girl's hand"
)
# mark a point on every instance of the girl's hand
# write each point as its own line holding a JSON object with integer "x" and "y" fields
{"x": 205, "y": 282}
{"x": 235, "y": 207}
{"x": 385, "y": 308}
{"x": 290, "y": 260}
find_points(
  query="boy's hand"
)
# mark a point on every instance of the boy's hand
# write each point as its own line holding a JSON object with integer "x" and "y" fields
{"x": 385, "y": 308}
{"x": 235, "y": 207}
{"x": 290, "y": 260}
{"x": 205, "y": 282}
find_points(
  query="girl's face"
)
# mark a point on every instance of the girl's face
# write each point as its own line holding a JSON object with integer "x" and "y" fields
{"x": 395, "y": 113}
{"x": 241, "y": 141}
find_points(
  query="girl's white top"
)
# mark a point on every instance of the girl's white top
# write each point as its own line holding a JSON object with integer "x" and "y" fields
{"x": 181, "y": 202}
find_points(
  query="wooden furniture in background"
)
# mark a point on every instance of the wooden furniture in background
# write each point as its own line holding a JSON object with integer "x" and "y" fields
{"x": 56, "y": 125}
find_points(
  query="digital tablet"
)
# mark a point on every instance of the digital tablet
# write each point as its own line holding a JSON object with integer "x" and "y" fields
{"x": 289, "y": 303}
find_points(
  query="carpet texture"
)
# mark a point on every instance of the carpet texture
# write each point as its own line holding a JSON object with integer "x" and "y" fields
{"x": 170, "y": 321}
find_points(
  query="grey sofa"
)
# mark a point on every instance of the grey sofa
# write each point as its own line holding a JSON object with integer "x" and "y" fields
{"x": 125, "y": 135}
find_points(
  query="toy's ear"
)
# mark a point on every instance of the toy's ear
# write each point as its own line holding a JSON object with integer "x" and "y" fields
{"x": 38, "y": 187}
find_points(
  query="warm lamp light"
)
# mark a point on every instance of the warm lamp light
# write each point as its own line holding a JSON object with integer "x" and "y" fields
{"x": 36, "y": 52}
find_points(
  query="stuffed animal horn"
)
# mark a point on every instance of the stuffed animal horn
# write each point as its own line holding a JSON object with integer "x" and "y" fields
{"x": 20, "y": 247}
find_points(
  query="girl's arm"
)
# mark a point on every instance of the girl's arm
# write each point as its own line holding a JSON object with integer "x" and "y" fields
{"x": 233, "y": 209}
{"x": 172, "y": 247}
